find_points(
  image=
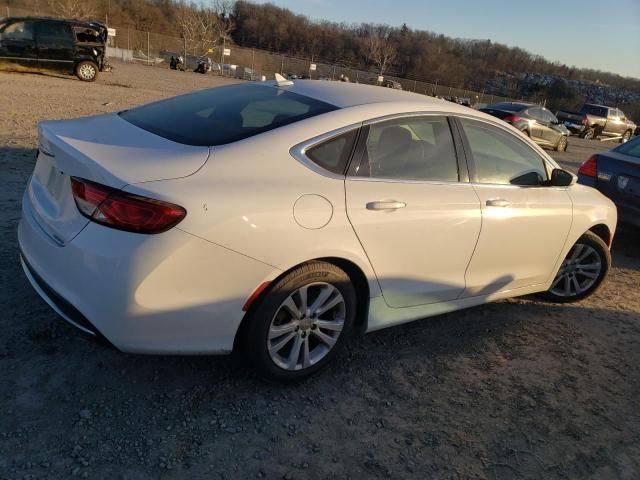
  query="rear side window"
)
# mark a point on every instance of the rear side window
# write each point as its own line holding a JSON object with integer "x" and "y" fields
{"x": 333, "y": 154}
{"x": 500, "y": 157}
{"x": 223, "y": 115}
{"x": 54, "y": 33}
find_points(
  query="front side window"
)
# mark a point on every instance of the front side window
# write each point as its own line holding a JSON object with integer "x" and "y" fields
{"x": 18, "y": 31}
{"x": 333, "y": 154}
{"x": 500, "y": 157}
{"x": 223, "y": 115}
{"x": 414, "y": 148}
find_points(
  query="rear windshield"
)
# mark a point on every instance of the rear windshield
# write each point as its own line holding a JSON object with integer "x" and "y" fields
{"x": 630, "y": 148}
{"x": 223, "y": 115}
{"x": 512, "y": 107}
{"x": 594, "y": 110}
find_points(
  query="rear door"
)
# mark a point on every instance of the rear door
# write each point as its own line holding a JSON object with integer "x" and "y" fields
{"x": 549, "y": 132}
{"x": 18, "y": 44}
{"x": 524, "y": 224}
{"x": 413, "y": 210}
{"x": 537, "y": 124}
{"x": 55, "y": 45}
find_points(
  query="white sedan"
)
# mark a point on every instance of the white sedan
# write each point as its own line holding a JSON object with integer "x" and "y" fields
{"x": 278, "y": 218}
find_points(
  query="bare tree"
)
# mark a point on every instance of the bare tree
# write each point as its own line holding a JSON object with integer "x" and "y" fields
{"x": 377, "y": 48}
{"x": 72, "y": 8}
{"x": 204, "y": 27}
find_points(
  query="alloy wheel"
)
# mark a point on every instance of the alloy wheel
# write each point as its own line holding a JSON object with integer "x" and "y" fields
{"x": 579, "y": 271}
{"x": 87, "y": 71}
{"x": 306, "y": 326}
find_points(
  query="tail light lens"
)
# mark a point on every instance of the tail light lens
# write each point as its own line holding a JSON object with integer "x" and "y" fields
{"x": 585, "y": 120}
{"x": 590, "y": 167}
{"x": 512, "y": 118}
{"x": 124, "y": 211}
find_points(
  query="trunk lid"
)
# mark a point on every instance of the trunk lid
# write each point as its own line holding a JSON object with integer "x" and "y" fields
{"x": 105, "y": 149}
{"x": 619, "y": 177}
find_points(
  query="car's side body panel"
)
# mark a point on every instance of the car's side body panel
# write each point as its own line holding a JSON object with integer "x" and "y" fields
{"x": 254, "y": 212}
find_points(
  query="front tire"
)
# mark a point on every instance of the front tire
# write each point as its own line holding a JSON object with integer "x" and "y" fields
{"x": 562, "y": 144}
{"x": 301, "y": 323}
{"x": 582, "y": 271}
{"x": 87, "y": 71}
{"x": 625, "y": 136}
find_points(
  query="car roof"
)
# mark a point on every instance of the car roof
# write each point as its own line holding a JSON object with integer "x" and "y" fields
{"x": 85, "y": 23}
{"x": 343, "y": 95}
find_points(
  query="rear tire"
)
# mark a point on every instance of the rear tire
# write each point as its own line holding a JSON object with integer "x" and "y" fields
{"x": 582, "y": 271}
{"x": 87, "y": 71}
{"x": 589, "y": 133}
{"x": 287, "y": 339}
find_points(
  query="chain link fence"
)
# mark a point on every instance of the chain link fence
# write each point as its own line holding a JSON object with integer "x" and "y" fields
{"x": 131, "y": 45}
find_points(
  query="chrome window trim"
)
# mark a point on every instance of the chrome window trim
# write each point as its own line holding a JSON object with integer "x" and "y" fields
{"x": 299, "y": 151}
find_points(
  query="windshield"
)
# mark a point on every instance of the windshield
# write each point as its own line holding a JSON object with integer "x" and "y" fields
{"x": 223, "y": 115}
{"x": 630, "y": 148}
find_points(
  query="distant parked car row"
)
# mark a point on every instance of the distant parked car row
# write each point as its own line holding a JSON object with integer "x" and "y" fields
{"x": 594, "y": 121}
{"x": 534, "y": 121}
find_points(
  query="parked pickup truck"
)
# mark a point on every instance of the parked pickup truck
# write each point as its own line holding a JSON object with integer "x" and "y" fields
{"x": 593, "y": 121}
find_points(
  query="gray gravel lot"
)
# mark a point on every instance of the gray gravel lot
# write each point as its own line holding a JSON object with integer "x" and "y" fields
{"x": 518, "y": 389}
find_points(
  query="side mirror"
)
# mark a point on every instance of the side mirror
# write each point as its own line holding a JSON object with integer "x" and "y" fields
{"x": 528, "y": 179}
{"x": 561, "y": 178}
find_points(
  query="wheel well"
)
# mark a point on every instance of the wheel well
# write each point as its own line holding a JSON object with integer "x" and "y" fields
{"x": 361, "y": 284}
{"x": 356, "y": 275}
{"x": 603, "y": 232}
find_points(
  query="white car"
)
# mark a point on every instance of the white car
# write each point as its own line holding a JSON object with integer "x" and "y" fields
{"x": 278, "y": 218}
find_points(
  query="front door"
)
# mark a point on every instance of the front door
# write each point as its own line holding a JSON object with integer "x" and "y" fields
{"x": 55, "y": 45}
{"x": 524, "y": 223}
{"x": 18, "y": 45}
{"x": 417, "y": 222}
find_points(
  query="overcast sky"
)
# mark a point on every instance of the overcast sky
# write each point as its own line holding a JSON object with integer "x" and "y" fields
{"x": 597, "y": 34}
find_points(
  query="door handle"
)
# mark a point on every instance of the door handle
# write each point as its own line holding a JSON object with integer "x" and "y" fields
{"x": 498, "y": 202}
{"x": 385, "y": 205}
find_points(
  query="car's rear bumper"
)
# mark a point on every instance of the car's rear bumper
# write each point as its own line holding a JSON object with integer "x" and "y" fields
{"x": 167, "y": 293}
{"x": 628, "y": 214}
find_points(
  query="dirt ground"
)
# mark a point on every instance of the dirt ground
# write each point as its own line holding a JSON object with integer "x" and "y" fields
{"x": 518, "y": 389}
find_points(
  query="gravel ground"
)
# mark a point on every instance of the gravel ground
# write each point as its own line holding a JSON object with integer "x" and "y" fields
{"x": 518, "y": 389}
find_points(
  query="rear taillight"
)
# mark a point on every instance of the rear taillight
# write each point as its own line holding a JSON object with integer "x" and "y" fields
{"x": 590, "y": 167}
{"x": 124, "y": 211}
{"x": 585, "y": 120}
{"x": 512, "y": 118}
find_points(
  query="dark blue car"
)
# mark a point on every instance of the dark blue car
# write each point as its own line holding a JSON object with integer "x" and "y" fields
{"x": 616, "y": 173}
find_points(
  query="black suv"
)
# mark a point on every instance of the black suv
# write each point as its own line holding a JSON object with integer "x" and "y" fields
{"x": 39, "y": 43}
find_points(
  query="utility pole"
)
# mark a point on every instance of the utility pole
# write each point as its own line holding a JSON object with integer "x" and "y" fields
{"x": 148, "y": 48}
{"x": 222, "y": 55}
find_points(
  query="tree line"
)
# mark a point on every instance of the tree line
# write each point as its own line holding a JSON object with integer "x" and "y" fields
{"x": 401, "y": 51}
